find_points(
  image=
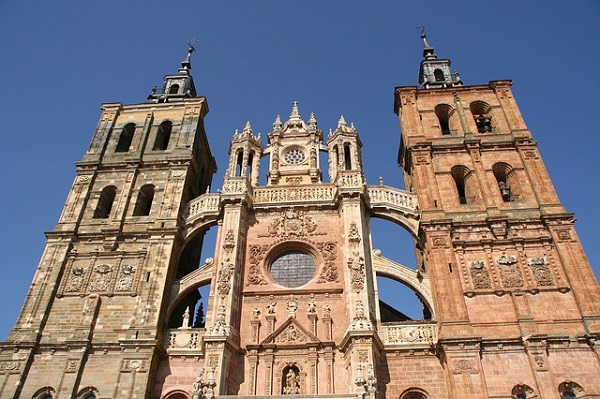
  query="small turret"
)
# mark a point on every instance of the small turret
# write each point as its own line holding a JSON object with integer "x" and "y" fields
{"x": 177, "y": 86}
{"x": 435, "y": 73}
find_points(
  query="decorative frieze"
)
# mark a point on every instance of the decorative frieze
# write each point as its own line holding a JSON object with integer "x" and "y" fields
{"x": 409, "y": 334}
{"x": 294, "y": 194}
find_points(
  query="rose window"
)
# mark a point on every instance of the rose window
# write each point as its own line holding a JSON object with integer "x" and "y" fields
{"x": 294, "y": 156}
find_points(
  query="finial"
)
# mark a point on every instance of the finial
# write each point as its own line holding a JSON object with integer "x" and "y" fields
{"x": 295, "y": 113}
{"x": 186, "y": 63}
{"x": 277, "y": 124}
{"x": 312, "y": 121}
{"x": 247, "y": 128}
{"x": 342, "y": 122}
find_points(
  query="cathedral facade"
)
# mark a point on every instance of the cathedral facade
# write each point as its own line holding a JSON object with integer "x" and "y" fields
{"x": 511, "y": 308}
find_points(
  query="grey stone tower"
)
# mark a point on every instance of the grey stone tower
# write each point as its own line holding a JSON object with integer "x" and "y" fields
{"x": 95, "y": 310}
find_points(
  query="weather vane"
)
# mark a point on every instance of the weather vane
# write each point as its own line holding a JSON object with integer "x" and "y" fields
{"x": 422, "y": 29}
{"x": 191, "y": 43}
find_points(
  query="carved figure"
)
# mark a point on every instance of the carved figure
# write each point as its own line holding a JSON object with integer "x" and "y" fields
{"x": 292, "y": 383}
{"x": 271, "y": 307}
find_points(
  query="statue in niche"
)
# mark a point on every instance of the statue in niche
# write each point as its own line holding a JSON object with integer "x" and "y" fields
{"x": 292, "y": 382}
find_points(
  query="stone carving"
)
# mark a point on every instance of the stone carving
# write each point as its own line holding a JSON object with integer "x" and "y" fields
{"x": 292, "y": 307}
{"x": 480, "y": 275}
{"x": 564, "y": 235}
{"x": 292, "y": 223}
{"x": 292, "y": 383}
{"x": 511, "y": 274}
{"x": 329, "y": 273}
{"x": 256, "y": 313}
{"x": 224, "y": 278}
{"x": 126, "y": 279}
{"x": 410, "y": 334}
{"x": 357, "y": 268}
{"x": 255, "y": 276}
{"x": 360, "y": 322}
{"x": 354, "y": 236}
{"x": 183, "y": 339}
{"x": 541, "y": 272}
{"x": 363, "y": 356}
{"x": 326, "y": 310}
{"x": 271, "y": 307}
{"x": 76, "y": 279}
{"x": 229, "y": 241}
{"x": 463, "y": 365}
{"x": 220, "y": 327}
{"x": 101, "y": 278}
{"x": 312, "y": 307}
{"x": 9, "y": 366}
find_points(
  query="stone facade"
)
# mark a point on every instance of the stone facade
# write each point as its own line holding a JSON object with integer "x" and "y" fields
{"x": 512, "y": 309}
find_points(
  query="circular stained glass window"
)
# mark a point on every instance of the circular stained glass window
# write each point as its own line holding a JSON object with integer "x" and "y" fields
{"x": 294, "y": 156}
{"x": 293, "y": 269}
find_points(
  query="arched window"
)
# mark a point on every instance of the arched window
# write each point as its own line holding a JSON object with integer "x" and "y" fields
{"x": 144, "y": 201}
{"x": 570, "y": 390}
{"x": 249, "y": 166}
{"x": 88, "y": 393}
{"x": 347, "y": 157}
{"x": 239, "y": 163}
{"x": 522, "y": 391}
{"x": 46, "y": 392}
{"x": 461, "y": 174}
{"x": 444, "y": 113}
{"x": 126, "y": 138}
{"x": 162, "y": 136}
{"x": 482, "y": 113}
{"x": 105, "y": 202}
{"x": 174, "y": 89}
{"x": 177, "y": 395}
{"x": 414, "y": 393}
{"x": 439, "y": 75}
{"x": 506, "y": 179}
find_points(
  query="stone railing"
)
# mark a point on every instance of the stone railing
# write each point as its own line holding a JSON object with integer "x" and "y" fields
{"x": 409, "y": 334}
{"x": 185, "y": 339}
{"x": 206, "y": 204}
{"x": 392, "y": 197}
{"x": 294, "y": 194}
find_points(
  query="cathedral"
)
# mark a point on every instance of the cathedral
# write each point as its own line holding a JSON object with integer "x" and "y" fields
{"x": 511, "y": 308}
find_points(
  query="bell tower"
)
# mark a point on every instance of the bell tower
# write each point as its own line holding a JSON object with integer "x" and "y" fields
{"x": 95, "y": 311}
{"x": 511, "y": 285}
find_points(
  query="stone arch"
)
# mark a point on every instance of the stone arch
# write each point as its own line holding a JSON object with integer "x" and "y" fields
{"x": 187, "y": 284}
{"x": 44, "y": 393}
{"x": 176, "y": 394}
{"x": 414, "y": 393}
{"x": 414, "y": 280}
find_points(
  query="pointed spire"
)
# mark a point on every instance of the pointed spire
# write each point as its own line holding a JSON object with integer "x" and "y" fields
{"x": 247, "y": 128}
{"x": 312, "y": 121}
{"x": 342, "y": 122}
{"x": 427, "y": 49}
{"x": 277, "y": 124}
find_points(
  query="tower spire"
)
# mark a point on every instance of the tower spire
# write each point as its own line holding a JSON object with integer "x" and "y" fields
{"x": 177, "y": 86}
{"x": 435, "y": 73}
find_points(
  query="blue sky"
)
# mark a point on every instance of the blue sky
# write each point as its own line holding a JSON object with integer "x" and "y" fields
{"x": 62, "y": 59}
